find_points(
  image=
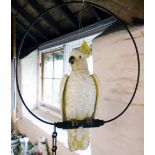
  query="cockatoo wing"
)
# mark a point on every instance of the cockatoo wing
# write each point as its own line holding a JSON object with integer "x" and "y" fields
{"x": 97, "y": 92}
{"x": 62, "y": 94}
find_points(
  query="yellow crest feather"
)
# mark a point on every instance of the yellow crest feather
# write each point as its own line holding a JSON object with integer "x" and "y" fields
{"x": 85, "y": 48}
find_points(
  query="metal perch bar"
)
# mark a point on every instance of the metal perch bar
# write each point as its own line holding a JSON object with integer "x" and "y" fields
{"x": 74, "y": 124}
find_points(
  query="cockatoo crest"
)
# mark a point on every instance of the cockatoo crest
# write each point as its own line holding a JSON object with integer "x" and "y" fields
{"x": 85, "y": 48}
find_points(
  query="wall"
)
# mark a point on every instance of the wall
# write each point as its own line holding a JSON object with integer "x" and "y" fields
{"x": 116, "y": 67}
{"x": 27, "y": 124}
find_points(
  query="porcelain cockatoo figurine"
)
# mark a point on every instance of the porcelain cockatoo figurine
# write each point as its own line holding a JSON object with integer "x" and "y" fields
{"x": 79, "y": 96}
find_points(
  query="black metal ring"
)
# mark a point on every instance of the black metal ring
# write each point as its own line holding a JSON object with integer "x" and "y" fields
{"x": 54, "y": 148}
{"x": 101, "y": 8}
{"x": 54, "y": 135}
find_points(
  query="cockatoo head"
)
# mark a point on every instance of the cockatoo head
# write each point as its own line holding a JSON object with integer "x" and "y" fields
{"x": 78, "y": 60}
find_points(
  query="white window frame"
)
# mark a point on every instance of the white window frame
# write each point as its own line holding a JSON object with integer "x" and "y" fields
{"x": 50, "y": 110}
{"x": 53, "y": 110}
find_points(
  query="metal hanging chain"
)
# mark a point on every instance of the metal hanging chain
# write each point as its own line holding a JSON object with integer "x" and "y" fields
{"x": 54, "y": 141}
{"x": 83, "y": 2}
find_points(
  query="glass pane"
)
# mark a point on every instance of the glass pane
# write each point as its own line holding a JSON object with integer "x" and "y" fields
{"x": 48, "y": 65}
{"x": 58, "y": 64}
{"x": 56, "y": 91}
{"x": 47, "y": 91}
{"x": 90, "y": 64}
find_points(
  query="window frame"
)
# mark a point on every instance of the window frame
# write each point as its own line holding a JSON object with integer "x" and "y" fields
{"x": 43, "y": 106}
{"x": 54, "y": 111}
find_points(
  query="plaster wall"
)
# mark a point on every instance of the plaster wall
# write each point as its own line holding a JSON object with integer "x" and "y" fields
{"x": 26, "y": 123}
{"x": 116, "y": 67}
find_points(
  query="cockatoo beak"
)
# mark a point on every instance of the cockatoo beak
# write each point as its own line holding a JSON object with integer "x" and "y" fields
{"x": 71, "y": 60}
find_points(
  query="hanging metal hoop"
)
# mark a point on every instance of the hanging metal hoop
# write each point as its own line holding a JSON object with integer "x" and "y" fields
{"x": 67, "y": 124}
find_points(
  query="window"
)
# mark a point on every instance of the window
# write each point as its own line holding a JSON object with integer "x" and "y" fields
{"x": 51, "y": 75}
{"x": 53, "y": 65}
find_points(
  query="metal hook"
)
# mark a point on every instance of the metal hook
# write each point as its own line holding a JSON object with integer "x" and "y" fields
{"x": 83, "y": 3}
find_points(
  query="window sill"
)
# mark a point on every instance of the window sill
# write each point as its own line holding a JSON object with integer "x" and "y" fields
{"x": 49, "y": 114}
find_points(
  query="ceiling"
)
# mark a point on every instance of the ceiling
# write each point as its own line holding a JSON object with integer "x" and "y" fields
{"x": 63, "y": 20}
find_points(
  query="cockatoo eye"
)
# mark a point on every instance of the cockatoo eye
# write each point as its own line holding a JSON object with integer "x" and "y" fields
{"x": 80, "y": 56}
{"x": 71, "y": 60}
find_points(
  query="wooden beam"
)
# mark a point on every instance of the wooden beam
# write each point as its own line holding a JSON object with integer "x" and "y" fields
{"x": 48, "y": 18}
{"x": 97, "y": 14}
{"x": 18, "y": 41}
{"x": 24, "y": 30}
{"x": 32, "y": 31}
{"x": 24, "y": 14}
{"x": 67, "y": 13}
{"x": 126, "y": 10}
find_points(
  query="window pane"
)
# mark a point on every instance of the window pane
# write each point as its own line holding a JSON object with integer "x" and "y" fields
{"x": 47, "y": 91}
{"x": 90, "y": 64}
{"x": 48, "y": 65}
{"x": 58, "y": 64}
{"x": 56, "y": 91}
